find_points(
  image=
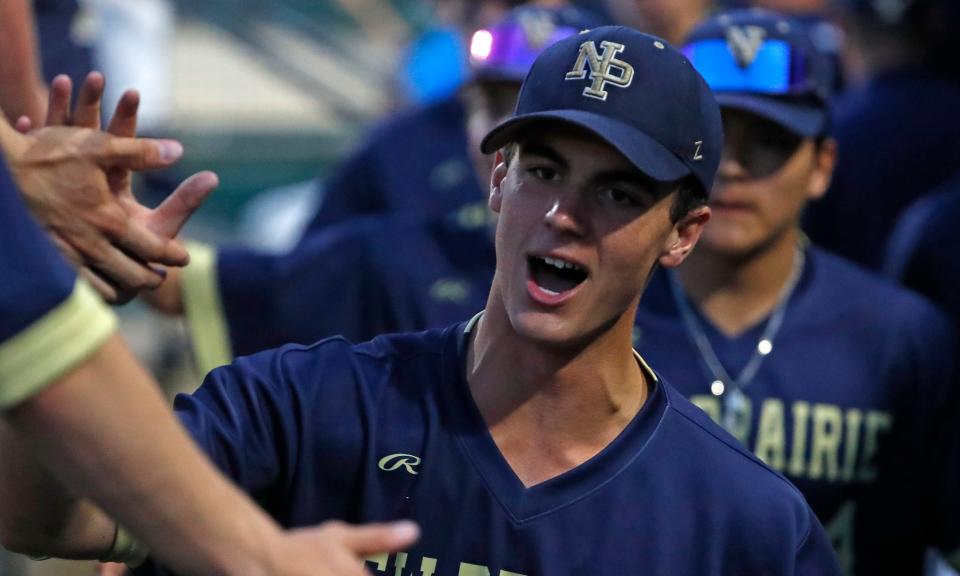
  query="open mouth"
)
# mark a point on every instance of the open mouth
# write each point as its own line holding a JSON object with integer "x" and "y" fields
{"x": 555, "y": 276}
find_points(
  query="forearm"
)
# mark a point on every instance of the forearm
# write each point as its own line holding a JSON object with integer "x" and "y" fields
{"x": 39, "y": 516}
{"x": 168, "y": 297}
{"x": 154, "y": 481}
{"x": 20, "y": 65}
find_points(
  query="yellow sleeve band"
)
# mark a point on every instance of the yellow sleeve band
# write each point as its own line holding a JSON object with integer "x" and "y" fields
{"x": 53, "y": 345}
{"x": 204, "y": 310}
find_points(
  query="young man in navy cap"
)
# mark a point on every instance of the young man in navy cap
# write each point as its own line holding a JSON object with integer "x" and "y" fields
{"x": 833, "y": 377}
{"x": 424, "y": 260}
{"x": 532, "y": 439}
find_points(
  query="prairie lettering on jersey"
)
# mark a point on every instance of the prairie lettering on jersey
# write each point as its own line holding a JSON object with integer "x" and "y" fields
{"x": 404, "y": 565}
{"x": 807, "y": 440}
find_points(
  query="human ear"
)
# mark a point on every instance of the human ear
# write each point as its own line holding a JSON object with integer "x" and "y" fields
{"x": 825, "y": 159}
{"x": 684, "y": 237}
{"x": 500, "y": 166}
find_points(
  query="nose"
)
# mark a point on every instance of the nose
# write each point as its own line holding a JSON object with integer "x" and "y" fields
{"x": 564, "y": 215}
{"x": 731, "y": 167}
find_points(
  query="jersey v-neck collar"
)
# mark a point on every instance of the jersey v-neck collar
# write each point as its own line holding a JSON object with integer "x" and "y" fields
{"x": 522, "y": 503}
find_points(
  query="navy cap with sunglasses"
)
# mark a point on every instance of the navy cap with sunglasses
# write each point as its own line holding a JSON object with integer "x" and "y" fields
{"x": 764, "y": 63}
{"x": 631, "y": 89}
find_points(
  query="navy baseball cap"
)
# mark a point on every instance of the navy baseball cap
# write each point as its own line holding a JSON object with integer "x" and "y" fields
{"x": 765, "y": 63}
{"x": 634, "y": 91}
{"x": 506, "y": 50}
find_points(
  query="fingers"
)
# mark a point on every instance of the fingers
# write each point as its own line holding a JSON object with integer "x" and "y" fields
{"x": 86, "y": 113}
{"x": 24, "y": 124}
{"x": 124, "y": 121}
{"x": 376, "y": 538}
{"x": 58, "y": 106}
{"x": 149, "y": 246}
{"x": 124, "y": 273}
{"x": 171, "y": 215}
{"x": 106, "y": 290}
{"x": 136, "y": 153}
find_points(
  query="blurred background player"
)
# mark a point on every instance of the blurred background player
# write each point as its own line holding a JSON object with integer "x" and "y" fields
{"x": 839, "y": 380}
{"x": 923, "y": 249}
{"x": 426, "y": 161}
{"x": 896, "y": 128}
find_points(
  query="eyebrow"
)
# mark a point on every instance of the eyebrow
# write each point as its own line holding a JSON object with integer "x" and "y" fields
{"x": 544, "y": 151}
{"x": 633, "y": 177}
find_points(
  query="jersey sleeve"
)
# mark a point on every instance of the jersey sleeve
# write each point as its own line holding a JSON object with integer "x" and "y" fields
{"x": 816, "y": 556}
{"x": 240, "y": 301}
{"x": 285, "y": 425}
{"x": 352, "y": 191}
{"x": 935, "y": 379}
{"x": 49, "y": 322}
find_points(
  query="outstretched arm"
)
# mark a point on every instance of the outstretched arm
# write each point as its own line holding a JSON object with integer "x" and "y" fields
{"x": 85, "y": 419}
{"x": 22, "y": 92}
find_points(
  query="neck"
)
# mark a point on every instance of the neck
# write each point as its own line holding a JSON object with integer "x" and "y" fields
{"x": 737, "y": 291}
{"x": 572, "y": 400}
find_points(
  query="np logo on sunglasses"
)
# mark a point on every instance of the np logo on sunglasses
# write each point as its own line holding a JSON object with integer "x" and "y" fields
{"x": 605, "y": 68}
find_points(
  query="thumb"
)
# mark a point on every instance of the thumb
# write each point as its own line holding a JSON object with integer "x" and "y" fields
{"x": 134, "y": 153}
{"x": 377, "y": 538}
{"x": 171, "y": 215}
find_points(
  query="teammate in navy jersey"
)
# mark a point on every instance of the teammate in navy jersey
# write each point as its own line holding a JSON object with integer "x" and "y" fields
{"x": 532, "y": 440}
{"x": 923, "y": 248}
{"x": 358, "y": 280}
{"x": 833, "y": 377}
{"x": 426, "y": 161}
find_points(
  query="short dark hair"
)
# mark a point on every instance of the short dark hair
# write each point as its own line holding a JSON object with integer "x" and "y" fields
{"x": 690, "y": 196}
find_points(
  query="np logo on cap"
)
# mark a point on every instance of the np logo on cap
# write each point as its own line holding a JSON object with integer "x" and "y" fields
{"x": 631, "y": 90}
{"x": 602, "y": 68}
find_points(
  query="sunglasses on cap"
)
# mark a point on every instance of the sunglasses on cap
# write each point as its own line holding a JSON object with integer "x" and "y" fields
{"x": 771, "y": 67}
{"x": 507, "y": 51}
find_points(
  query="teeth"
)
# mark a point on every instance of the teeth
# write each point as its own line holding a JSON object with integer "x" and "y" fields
{"x": 560, "y": 264}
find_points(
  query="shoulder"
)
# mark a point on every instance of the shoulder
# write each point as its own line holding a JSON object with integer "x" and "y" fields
{"x": 712, "y": 472}
{"x": 874, "y": 301}
{"x": 426, "y": 122}
{"x": 334, "y": 362}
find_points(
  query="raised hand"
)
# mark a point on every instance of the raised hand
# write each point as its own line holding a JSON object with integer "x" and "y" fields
{"x": 116, "y": 243}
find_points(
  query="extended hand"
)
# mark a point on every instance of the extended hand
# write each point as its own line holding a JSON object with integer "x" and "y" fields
{"x": 338, "y": 549}
{"x": 101, "y": 226}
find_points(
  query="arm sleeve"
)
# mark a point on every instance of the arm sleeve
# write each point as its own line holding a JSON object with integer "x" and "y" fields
{"x": 239, "y": 301}
{"x": 353, "y": 190}
{"x": 285, "y": 425}
{"x": 49, "y": 322}
{"x": 815, "y": 556}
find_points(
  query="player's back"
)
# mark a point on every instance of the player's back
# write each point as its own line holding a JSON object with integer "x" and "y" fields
{"x": 388, "y": 429}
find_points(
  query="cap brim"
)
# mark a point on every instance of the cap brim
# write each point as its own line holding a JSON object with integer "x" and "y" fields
{"x": 648, "y": 155}
{"x": 807, "y": 121}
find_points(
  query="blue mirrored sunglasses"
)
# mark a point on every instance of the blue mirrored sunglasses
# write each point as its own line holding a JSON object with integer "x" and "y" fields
{"x": 775, "y": 70}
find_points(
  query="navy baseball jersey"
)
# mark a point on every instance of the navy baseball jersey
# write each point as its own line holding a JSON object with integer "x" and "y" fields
{"x": 924, "y": 246}
{"x": 48, "y": 322}
{"x": 416, "y": 163}
{"x": 388, "y": 429}
{"x": 896, "y": 140}
{"x": 854, "y": 404}
{"x": 359, "y": 280}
